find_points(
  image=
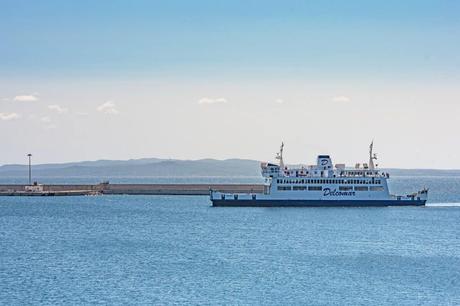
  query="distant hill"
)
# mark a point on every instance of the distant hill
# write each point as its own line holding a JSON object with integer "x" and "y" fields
{"x": 155, "y": 167}
{"x": 139, "y": 167}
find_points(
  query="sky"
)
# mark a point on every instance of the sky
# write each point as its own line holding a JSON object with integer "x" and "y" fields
{"x": 87, "y": 80}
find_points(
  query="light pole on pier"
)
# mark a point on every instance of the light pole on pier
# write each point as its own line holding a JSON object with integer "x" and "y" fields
{"x": 30, "y": 168}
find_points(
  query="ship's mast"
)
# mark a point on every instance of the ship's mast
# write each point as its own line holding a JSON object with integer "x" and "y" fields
{"x": 372, "y": 156}
{"x": 279, "y": 156}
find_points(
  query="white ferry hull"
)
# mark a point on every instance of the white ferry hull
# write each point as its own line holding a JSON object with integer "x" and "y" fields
{"x": 321, "y": 185}
{"x": 315, "y": 203}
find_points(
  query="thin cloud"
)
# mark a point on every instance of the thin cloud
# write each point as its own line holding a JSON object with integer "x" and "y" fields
{"x": 57, "y": 108}
{"x": 108, "y": 108}
{"x": 279, "y": 101}
{"x": 205, "y": 100}
{"x": 9, "y": 116}
{"x": 341, "y": 99}
{"x": 45, "y": 119}
{"x": 51, "y": 126}
{"x": 26, "y": 98}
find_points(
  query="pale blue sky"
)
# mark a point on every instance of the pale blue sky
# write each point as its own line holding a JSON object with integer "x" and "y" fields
{"x": 91, "y": 65}
{"x": 189, "y": 38}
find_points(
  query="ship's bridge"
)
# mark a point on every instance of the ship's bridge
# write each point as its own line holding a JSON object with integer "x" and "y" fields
{"x": 270, "y": 170}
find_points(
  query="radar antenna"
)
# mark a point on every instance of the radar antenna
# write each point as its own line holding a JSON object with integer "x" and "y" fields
{"x": 279, "y": 156}
{"x": 372, "y": 156}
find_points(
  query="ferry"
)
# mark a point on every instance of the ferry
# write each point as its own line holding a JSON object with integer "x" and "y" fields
{"x": 323, "y": 184}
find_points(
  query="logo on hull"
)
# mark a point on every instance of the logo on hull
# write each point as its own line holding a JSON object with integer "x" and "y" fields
{"x": 334, "y": 193}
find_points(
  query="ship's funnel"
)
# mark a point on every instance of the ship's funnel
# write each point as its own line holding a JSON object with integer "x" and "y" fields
{"x": 324, "y": 162}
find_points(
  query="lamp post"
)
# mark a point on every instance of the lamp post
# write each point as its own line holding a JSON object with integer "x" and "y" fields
{"x": 30, "y": 168}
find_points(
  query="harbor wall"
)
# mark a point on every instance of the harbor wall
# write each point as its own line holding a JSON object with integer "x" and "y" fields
{"x": 139, "y": 189}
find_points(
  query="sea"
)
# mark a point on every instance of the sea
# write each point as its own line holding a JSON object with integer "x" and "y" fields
{"x": 178, "y": 250}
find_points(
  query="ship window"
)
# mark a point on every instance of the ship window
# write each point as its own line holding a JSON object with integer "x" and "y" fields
{"x": 361, "y": 188}
{"x": 299, "y": 188}
{"x": 315, "y": 188}
{"x": 376, "y": 188}
{"x": 284, "y": 188}
{"x": 345, "y": 188}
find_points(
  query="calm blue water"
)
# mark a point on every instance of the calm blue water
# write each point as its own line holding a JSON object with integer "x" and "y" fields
{"x": 179, "y": 250}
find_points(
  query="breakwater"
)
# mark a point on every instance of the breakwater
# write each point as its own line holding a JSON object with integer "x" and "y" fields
{"x": 129, "y": 189}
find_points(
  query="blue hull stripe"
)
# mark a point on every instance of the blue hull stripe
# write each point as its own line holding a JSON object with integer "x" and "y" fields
{"x": 315, "y": 203}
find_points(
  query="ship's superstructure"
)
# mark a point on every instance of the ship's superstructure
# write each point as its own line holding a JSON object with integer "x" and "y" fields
{"x": 323, "y": 184}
